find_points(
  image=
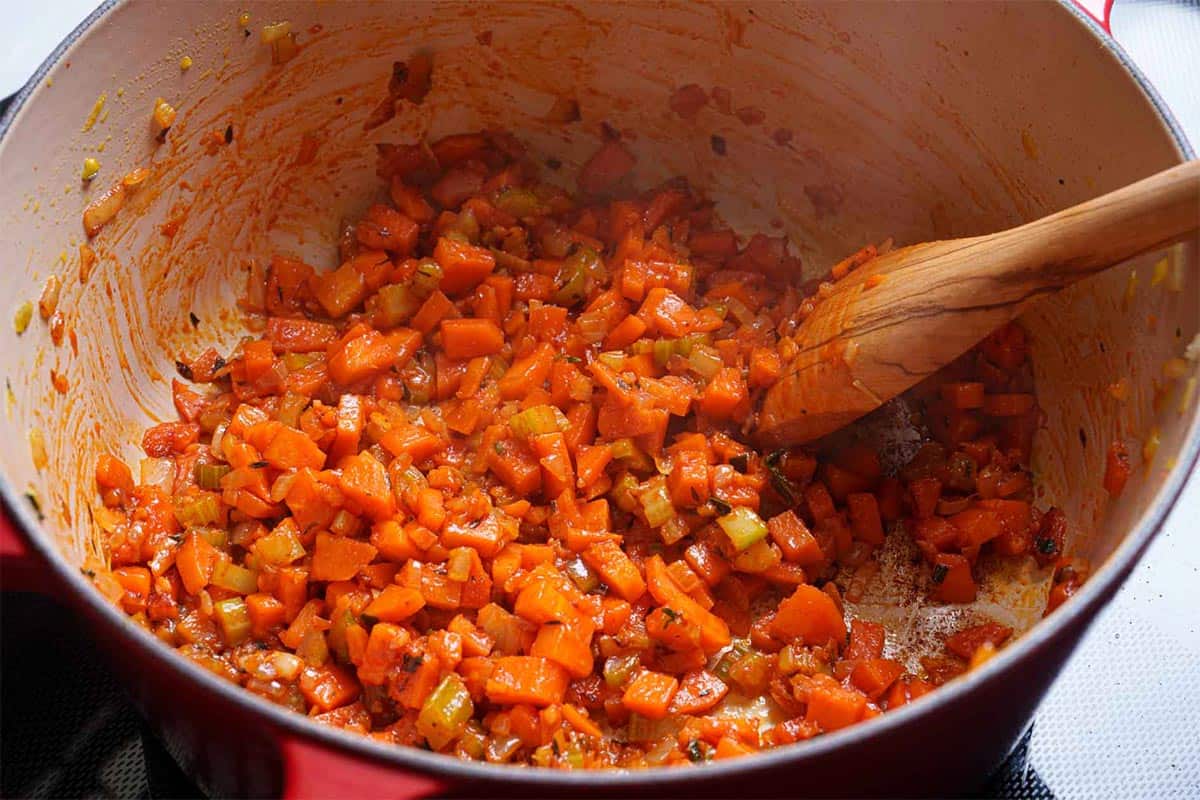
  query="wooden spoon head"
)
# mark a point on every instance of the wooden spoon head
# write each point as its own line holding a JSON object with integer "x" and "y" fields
{"x": 884, "y": 328}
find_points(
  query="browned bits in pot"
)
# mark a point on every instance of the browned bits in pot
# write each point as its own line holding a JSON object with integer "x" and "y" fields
{"x": 751, "y": 115}
{"x": 59, "y": 381}
{"x": 48, "y": 302}
{"x": 163, "y": 114}
{"x": 103, "y": 209}
{"x": 37, "y": 448}
{"x": 87, "y": 262}
{"x": 58, "y": 324}
{"x": 686, "y": 101}
{"x": 564, "y": 110}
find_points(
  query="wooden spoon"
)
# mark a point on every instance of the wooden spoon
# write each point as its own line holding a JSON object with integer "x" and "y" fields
{"x": 903, "y": 315}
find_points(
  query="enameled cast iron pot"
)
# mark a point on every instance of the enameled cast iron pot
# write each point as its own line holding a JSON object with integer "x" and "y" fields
{"x": 858, "y": 121}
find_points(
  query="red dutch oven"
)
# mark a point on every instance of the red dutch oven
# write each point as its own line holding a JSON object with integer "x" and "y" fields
{"x": 843, "y": 123}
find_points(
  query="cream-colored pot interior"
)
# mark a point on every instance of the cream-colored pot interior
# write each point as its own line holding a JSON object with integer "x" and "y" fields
{"x": 851, "y": 123}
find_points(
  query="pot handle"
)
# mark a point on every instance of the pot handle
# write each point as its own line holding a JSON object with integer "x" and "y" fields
{"x": 311, "y": 770}
{"x": 1099, "y": 10}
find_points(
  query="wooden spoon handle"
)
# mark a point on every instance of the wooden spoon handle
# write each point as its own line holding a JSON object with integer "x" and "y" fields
{"x": 906, "y": 314}
{"x": 1096, "y": 234}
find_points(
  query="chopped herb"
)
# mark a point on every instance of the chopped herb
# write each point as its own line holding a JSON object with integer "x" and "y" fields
{"x": 570, "y": 359}
{"x": 1045, "y": 545}
{"x": 672, "y": 615}
{"x": 939, "y": 573}
{"x": 780, "y": 482}
{"x": 718, "y": 144}
{"x": 245, "y": 33}
{"x": 184, "y": 370}
{"x": 500, "y": 448}
{"x": 411, "y": 663}
{"x": 554, "y": 164}
{"x": 195, "y": 320}
{"x": 228, "y": 134}
{"x": 37, "y": 506}
{"x": 258, "y": 465}
{"x": 740, "y": 462}
{"x": 554, "y": 746}
{"x": 720, "y": 505}
{"x": 219, "y": 364}
{"x": 91, "y": 573}
{"x": 695, "y": 752}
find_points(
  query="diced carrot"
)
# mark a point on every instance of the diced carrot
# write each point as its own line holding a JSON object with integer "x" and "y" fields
{"x": 714, "y": 631}
{"x": 299, "y": 335}
{"x": 765, "y": 367}
{"x": 963, "y": 395}
{"x": 864, "y": 517}
{"x": 360, "y": 358}
{"x": 195, "y": 561}
{"x": 699, "y": 691}
{"x": 616, "y": 568}
{"x": 527, "y": 373}
{"x": 794, "y": 539}
{"x": 337, "y": 558}
{"x": 964, "y": 643}
{"x": 866, "y": 640}
{"x": 590, "y": 462}
{"x": 364, "y": 481}
{"x": 627, "y": 331}
{"x": 328, "y": 687}
{"x": 650, "y": 694}
{"x": 463, "y": 265}
{"x": 568, "y": 645}
{"x": 833, "y": 707}
{"x": 952, "y": 580}
{"x": 395, "y": 604}
{"x": 688, "y": 481}
{"x": 339, "y": 292}
{"x": 526, "y": 679}
{"x": 468, "y": 338}
{"x": 435, "y": 308}
{"x": 809, "y": 616}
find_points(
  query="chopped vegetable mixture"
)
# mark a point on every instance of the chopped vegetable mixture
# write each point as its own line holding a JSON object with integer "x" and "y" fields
{"x": 490, "y": 487}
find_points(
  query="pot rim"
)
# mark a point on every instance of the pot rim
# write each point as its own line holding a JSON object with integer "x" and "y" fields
{"x": 1089, "y": 599}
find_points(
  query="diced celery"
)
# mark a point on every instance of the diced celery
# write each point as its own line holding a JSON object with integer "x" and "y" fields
{"x": 393, "y": 305}
{"x": 519, "y": 202}
{"x": 619, "y": 669}
{"x": 465, "y": 225}
{"x": 613, "y": 359}
{"x": 729, "y": 658}
{"x": 663, "y": 350}
{"x": 739, "y": 311}
{"x": 750, "y": 672}
{"x": 217, "y": 537}
{"x": 280, "y": 547}
{"x": 344, "y": 523}
{"x": 209, "y": 475}
{"x": 623, "y": 448}
{"x": 230, "y": 576}
{"x": 233, "y": 620}
{"x": 593, "y": 326}
{"x": 445, "y": 713}
{"x": 673, "y": 530}
{"x": 298, "y": 361}
{"x": 743, "y": 527}
{"x": 537, "y": 420}
{"x": 622, "y": 492}
{"x": 314, "y": 649}
{"x": 758, "y": 557}
{"x": 458, "y": 566}
{"x": 582, "y": 575}
{"x": 656, "y": 503}
{"x": 705, "y": 361}
{"x": 641, "y": 347}
{"x": 427, "y": 277}
{"x": 198, "y": 510}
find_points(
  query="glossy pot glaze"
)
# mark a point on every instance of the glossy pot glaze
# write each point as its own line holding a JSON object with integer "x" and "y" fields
{"x": 843, "y": 123}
